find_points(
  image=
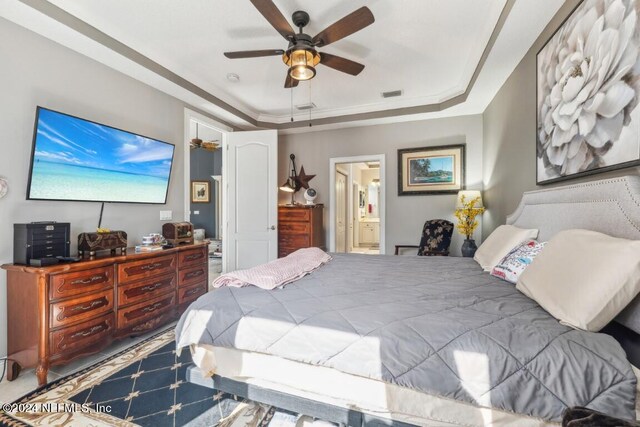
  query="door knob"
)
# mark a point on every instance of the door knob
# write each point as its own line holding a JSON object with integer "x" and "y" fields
{"x": 273, "y": 227}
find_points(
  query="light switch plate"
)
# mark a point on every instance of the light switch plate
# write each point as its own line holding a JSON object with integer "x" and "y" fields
{"x": 166, "y": 215}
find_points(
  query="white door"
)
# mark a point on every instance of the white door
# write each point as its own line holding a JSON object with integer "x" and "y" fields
{"x": 341, "y": 212}
{"x": 252, "y": 199}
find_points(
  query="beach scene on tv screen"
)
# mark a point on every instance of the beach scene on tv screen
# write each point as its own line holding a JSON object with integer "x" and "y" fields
{"x": 79, "y": 160}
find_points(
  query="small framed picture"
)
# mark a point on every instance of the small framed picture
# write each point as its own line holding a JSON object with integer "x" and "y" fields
{"x": 200, "y": 192}
{"x": 431, "y": 170}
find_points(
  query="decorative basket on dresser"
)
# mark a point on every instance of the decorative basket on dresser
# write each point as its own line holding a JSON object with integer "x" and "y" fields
{"x": 300, "y": 226}
{"x": 61, "y": 312}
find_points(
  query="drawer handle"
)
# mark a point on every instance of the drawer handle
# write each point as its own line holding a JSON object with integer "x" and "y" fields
{"x": 89, "y": 332}
{"x": 93, "y": 304}
{"x": 88, "y": 281}
{"x": 143, "y": 326}
{"x": 193, "y": 257}
{"x": 153, "y": 307}
{"x": 192, "y": 291}
{"x": 193, "y": 274}
{"x": 151, "y": 287}
{"x": 153, "y": 266}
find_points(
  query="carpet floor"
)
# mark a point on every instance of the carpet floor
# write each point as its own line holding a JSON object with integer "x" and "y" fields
{"x": 144, "y": 385}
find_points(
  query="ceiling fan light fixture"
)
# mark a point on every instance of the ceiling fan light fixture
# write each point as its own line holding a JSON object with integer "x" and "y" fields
{"x": 301, "y": 63}
{"x": 302, "y": 72}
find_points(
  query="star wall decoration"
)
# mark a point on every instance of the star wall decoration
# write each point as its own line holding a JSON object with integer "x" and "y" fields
{"x": 302, "y": 180}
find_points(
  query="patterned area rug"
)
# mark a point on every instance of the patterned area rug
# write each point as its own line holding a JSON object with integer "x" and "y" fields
{"x": 143, "y": 386}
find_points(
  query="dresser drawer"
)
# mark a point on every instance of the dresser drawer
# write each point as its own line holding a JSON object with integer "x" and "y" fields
{"x": 146, "y": 326}
{"x": 69, "y": 284}
{"x": 146, "y": 310}
{"x": 137, "y": 270}
{"x": 192, "y": 258}
{"x": 284, "y": 251}
{"x": 285, "y": 214}
{"x": 72, "y": 311}
{"x": 74, "y": 338}
{"x": 193, "y": 275}
{"x": 146, "y": 289}
{"x": 294, "y": 228}
{"x": 191, "y": 293}
{"x": 294, "y": 241}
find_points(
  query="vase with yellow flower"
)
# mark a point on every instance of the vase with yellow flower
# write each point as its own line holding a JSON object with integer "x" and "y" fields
{"x": 468, "y": 207}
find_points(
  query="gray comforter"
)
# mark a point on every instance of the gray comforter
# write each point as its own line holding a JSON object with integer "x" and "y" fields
{"x": 435, "y": 324}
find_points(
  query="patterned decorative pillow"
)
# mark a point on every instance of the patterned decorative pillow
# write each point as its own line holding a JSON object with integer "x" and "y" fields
{"x": 511, "y": 266}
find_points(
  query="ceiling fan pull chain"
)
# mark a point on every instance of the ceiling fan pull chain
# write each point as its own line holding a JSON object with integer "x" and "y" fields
{"x": 309, "y": 103}
{"x": 291, "y": 92}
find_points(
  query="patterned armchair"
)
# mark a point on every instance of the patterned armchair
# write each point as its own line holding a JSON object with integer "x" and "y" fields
{"x": 436, "y": 238}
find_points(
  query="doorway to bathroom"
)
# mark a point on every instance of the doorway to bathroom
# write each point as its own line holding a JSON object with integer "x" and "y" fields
{"x": 357, "y": 205}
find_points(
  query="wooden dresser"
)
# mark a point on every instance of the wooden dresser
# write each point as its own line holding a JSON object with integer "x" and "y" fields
{"x": 58, "y": 313}
{"x": 299, "y": 227}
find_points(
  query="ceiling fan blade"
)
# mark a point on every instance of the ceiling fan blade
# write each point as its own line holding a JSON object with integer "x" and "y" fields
{"x": 346, "y": 26}
{"x": 290, "y": 82}
{"x": 275, "y": 17}
{"x": 341, "y": 64}
{"x": 253, "y": 53}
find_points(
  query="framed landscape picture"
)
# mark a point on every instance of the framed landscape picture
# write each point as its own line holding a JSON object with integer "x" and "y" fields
{"x": 431, "y": 170}
{"x": 200, "y": 192}
{"x": 588, "y": 87}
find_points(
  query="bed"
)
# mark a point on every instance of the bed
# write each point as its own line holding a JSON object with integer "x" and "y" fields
{"x": 420, "y": 341}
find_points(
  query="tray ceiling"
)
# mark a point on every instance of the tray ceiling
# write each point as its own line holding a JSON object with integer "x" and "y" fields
{"x": 429, "y": 49}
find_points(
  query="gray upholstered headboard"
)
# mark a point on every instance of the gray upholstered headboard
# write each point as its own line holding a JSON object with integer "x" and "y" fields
{"x": 610, "y": 206}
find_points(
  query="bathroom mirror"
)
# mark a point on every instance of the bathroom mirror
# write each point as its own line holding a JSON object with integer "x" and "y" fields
{"x": 373, "y": 198}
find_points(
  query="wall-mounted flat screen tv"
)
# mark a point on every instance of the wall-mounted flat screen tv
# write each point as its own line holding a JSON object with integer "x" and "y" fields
{"x": 79, "y": 160}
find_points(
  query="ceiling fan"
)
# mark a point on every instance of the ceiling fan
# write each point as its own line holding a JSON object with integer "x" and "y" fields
{"x": 205, "y": 145}
{"x": 301, "y": 55}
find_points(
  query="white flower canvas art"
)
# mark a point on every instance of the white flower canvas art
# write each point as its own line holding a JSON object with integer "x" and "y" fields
{"x": 588, "y": 84}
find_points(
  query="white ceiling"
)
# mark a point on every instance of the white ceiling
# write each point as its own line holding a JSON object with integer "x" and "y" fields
{"x": 427, "y": 48}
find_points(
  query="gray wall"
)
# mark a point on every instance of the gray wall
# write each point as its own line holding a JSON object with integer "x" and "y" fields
{"x": 204, "y": 164}
{"x": 36, "y": 71}
{"x": 405, "y": 214}
{"x": 510, "y": 136}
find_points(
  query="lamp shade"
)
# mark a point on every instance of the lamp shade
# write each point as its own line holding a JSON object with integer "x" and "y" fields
{"x": 287, "y": 187}
{"x": 468, "y": 196}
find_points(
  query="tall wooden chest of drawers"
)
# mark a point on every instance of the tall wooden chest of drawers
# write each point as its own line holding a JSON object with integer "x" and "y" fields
{"x": 61, "y": 312}
{"x": 300, "y": 226}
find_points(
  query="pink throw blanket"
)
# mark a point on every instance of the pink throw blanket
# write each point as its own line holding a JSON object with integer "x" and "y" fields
{"x": 276, "y": 273}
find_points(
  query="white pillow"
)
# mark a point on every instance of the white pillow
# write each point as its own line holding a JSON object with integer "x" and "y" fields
{"x": 584, "y": 278}
{"x": 500, "y": 243}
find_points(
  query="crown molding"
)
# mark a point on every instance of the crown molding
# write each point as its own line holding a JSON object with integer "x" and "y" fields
{"x": 404, "y": 107}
